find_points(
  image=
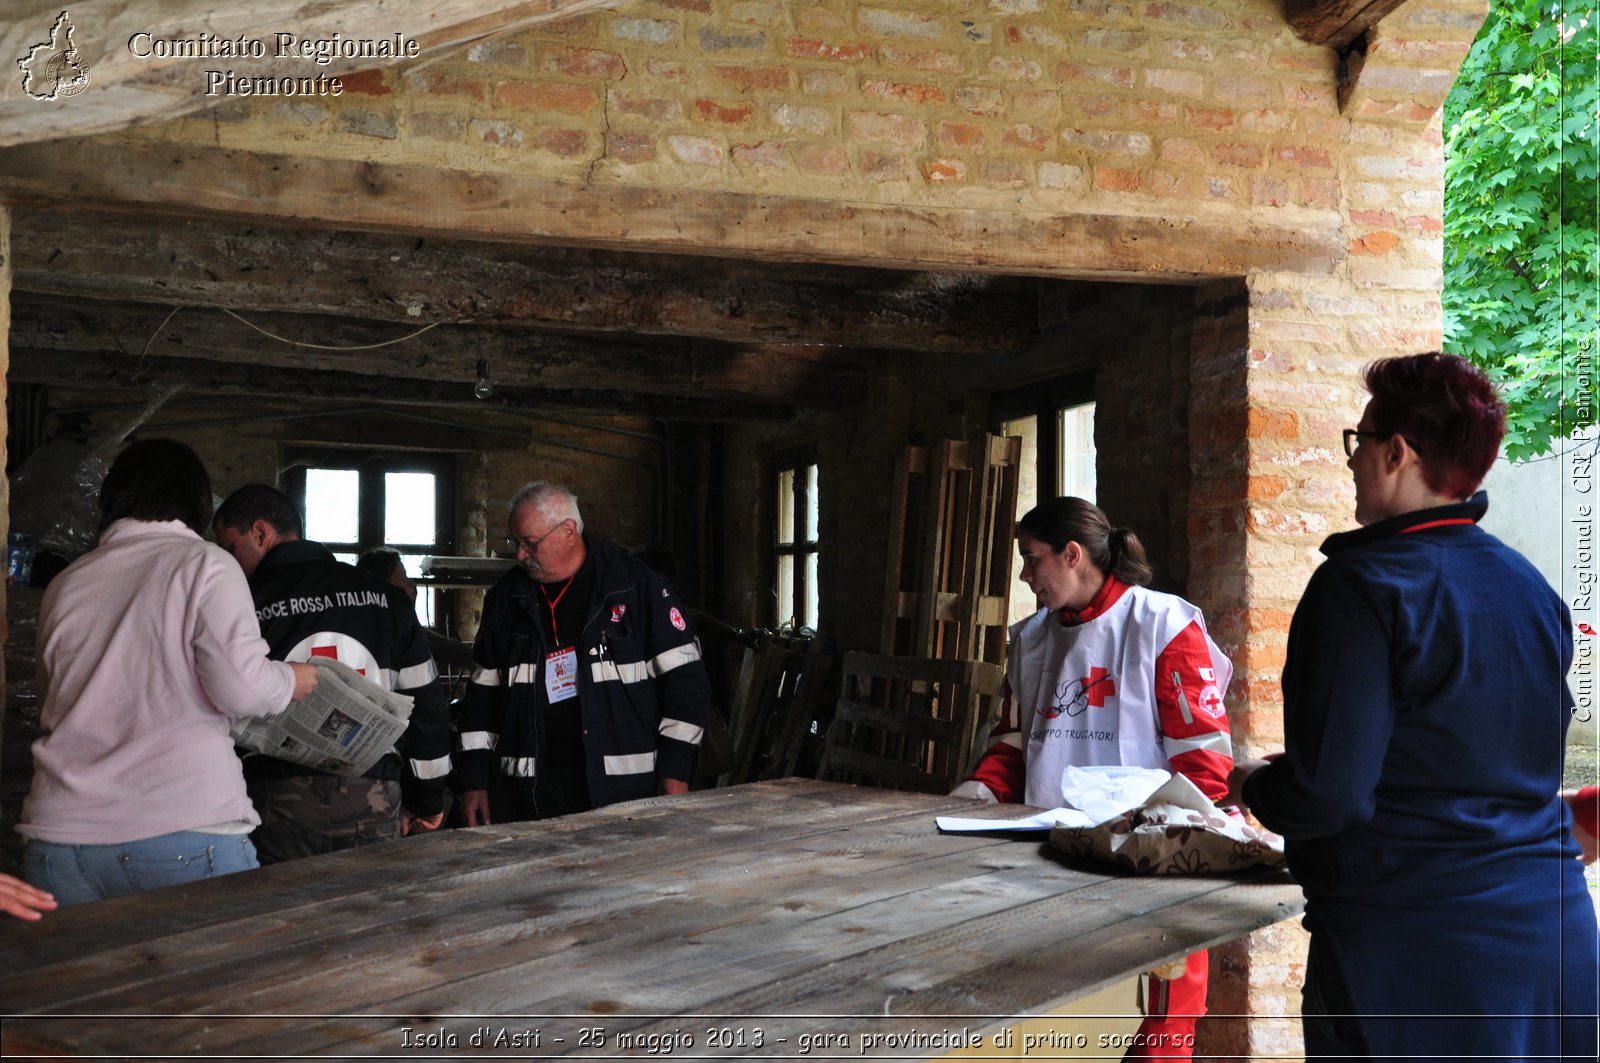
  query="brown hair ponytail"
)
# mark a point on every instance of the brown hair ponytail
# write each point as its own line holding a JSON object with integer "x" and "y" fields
{"x": 1114, "y": 551}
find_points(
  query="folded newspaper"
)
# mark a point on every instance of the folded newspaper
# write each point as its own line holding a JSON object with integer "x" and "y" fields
{"x": 344, "y": 726}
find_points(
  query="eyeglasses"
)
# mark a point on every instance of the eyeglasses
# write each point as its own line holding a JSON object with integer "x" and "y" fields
{"x": 514, "y": 543}
{"x": 1352, "y": 439}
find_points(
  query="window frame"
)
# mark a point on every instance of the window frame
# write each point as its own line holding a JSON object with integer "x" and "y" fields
{"x": 796, "y": 460}
{"x": 1046, "y": 402}
{"x": 372, "y": 466}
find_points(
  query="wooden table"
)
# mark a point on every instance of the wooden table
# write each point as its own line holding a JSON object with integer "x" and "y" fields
{"x": 744, "y": 918}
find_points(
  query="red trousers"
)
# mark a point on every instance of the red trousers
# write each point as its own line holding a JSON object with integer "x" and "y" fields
{"x": 1171, "y": 1008}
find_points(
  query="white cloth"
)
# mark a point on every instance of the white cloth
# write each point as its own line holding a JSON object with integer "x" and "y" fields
{"x": 148, "y": 646}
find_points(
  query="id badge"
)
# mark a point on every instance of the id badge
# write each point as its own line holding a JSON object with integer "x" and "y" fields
{"x": 561, "y": 675}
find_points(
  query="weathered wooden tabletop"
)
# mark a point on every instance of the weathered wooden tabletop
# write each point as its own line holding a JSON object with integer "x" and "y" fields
{"x": 743, "y": 918}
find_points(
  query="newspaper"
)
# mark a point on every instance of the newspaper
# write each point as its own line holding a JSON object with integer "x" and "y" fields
{"x": 344, "y": 726}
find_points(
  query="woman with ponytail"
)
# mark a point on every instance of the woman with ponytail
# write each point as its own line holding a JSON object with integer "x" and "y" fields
{"x": 1108, "y": 672}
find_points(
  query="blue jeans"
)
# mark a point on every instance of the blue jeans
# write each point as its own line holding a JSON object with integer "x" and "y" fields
{"x": 80, "y": 873}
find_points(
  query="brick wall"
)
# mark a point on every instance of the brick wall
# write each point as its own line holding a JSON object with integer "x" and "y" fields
{"x": 1092, "y": 103}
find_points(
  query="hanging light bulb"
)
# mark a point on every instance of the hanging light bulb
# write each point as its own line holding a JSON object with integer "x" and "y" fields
{"x": 484, "y": 388}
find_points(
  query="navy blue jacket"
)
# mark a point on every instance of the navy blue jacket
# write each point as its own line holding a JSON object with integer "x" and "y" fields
{"x": 1425, "y": 712}
{"x": 311, "y": 604}
{"x": 642, "y": 688}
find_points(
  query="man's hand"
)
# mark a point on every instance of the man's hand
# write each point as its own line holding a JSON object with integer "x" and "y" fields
{"x": 305, "y": 679}
{"x": 475, "y": 807}
{"x": 22, "y": 900}
{"x": 673, "y": 786}
{"x": 410, "y": 824}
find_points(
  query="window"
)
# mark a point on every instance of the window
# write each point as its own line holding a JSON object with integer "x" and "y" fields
{"x": 355, "y": 500}
{"x": 1056, "y": 423}
{"x": 796, "y": 548}
{"x": 1076, "y": 435}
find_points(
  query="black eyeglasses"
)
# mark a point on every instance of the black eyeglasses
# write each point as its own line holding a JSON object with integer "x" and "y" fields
{"x": 514, "y": 543}
{"x": 1352, "y": 439}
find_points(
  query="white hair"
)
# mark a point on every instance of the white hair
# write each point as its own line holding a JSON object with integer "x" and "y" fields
{"x": 550, "y": 500}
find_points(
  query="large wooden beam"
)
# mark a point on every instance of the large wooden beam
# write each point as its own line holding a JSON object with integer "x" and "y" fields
{"x": 1335, "y": 23}
{"x": 380, "y": 276}
{"x": 115, "y": 371}
{"x": 127, "y": 79}
{"x": 188, "y": 179}
{"x": 693, "y": 369}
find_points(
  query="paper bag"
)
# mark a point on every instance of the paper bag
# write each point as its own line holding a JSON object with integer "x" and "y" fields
{"x": 1176, "y": 831}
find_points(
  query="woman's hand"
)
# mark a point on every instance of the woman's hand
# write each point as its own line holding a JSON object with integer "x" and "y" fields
{"x": 305, "y": 679}
{"x": 1242, "y": 770}
{"x": 22, "y": 900}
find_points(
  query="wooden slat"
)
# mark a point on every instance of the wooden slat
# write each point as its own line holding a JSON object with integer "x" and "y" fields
{"x": 886, "y": 771}
{"x": 898, "y": 720}
{"x": 804, "y": 706}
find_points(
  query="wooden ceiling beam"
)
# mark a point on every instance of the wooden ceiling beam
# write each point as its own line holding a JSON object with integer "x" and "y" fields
{"x": 115, "y": 371}
{"x": 692, "y": 369}
{"x": 183, "y": 180}
{"x": 388, "y": 277}
{"x": 1335, "y": 23}
{"x": 130, "y": 82}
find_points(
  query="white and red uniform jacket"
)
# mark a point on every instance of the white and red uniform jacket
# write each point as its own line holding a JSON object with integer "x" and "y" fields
{"x": 1132, "y": 680}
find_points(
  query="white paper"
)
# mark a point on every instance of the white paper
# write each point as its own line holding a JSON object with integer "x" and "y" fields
{"x": 1090, "y": 796}
{"x": 1057, "y": 817}
{"x": 1106, "y": 791}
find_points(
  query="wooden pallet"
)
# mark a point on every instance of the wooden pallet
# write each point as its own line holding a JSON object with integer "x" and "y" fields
{"x": 909, "y": 723}
{"x": 948, "y": 580}
{"x": 782, "y": 683}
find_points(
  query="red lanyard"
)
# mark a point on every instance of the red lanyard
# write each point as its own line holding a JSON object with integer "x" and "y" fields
{"x": 555, "y": 629}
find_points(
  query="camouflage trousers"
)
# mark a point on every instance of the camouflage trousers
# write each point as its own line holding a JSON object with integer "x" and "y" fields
{"x": 311, "y": 814}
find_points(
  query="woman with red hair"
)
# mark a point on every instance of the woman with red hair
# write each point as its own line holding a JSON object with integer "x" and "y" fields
{"x": 1425, "y": 714}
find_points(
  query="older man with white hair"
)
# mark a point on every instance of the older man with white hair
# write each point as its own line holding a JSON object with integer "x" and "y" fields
{"x": 587, "y": 685}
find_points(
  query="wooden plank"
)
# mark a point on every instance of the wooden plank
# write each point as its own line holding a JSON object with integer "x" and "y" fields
{"x": 884, "y": 771}
{"x": 898, "y": 603}
{"x": 385, "y": 277}
{"x": 116, "y": 369}
{"x": 926, "y": 727}
{"x": 990, "y": 558}
{"x": 811, "y": 687}
{"x": 946, "y": 460}
{"x": 910, "y": 669}
{"x": 617, "y": 843}
{"x": 756, "y": 708}
{"x": 190, "y": 180}
{"x": 448, "y": 355}
{"x": 126, "y": 89}
{"x": 1335, "y": 23}
{"x": 790, "y": 896}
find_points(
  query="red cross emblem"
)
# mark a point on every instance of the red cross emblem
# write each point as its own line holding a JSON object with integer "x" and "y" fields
{"x": 332, "y": 651}
{"x": 1098, "y": 687}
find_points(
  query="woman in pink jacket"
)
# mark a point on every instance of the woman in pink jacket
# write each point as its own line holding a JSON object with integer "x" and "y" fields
{"x": 148, "y": 651}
